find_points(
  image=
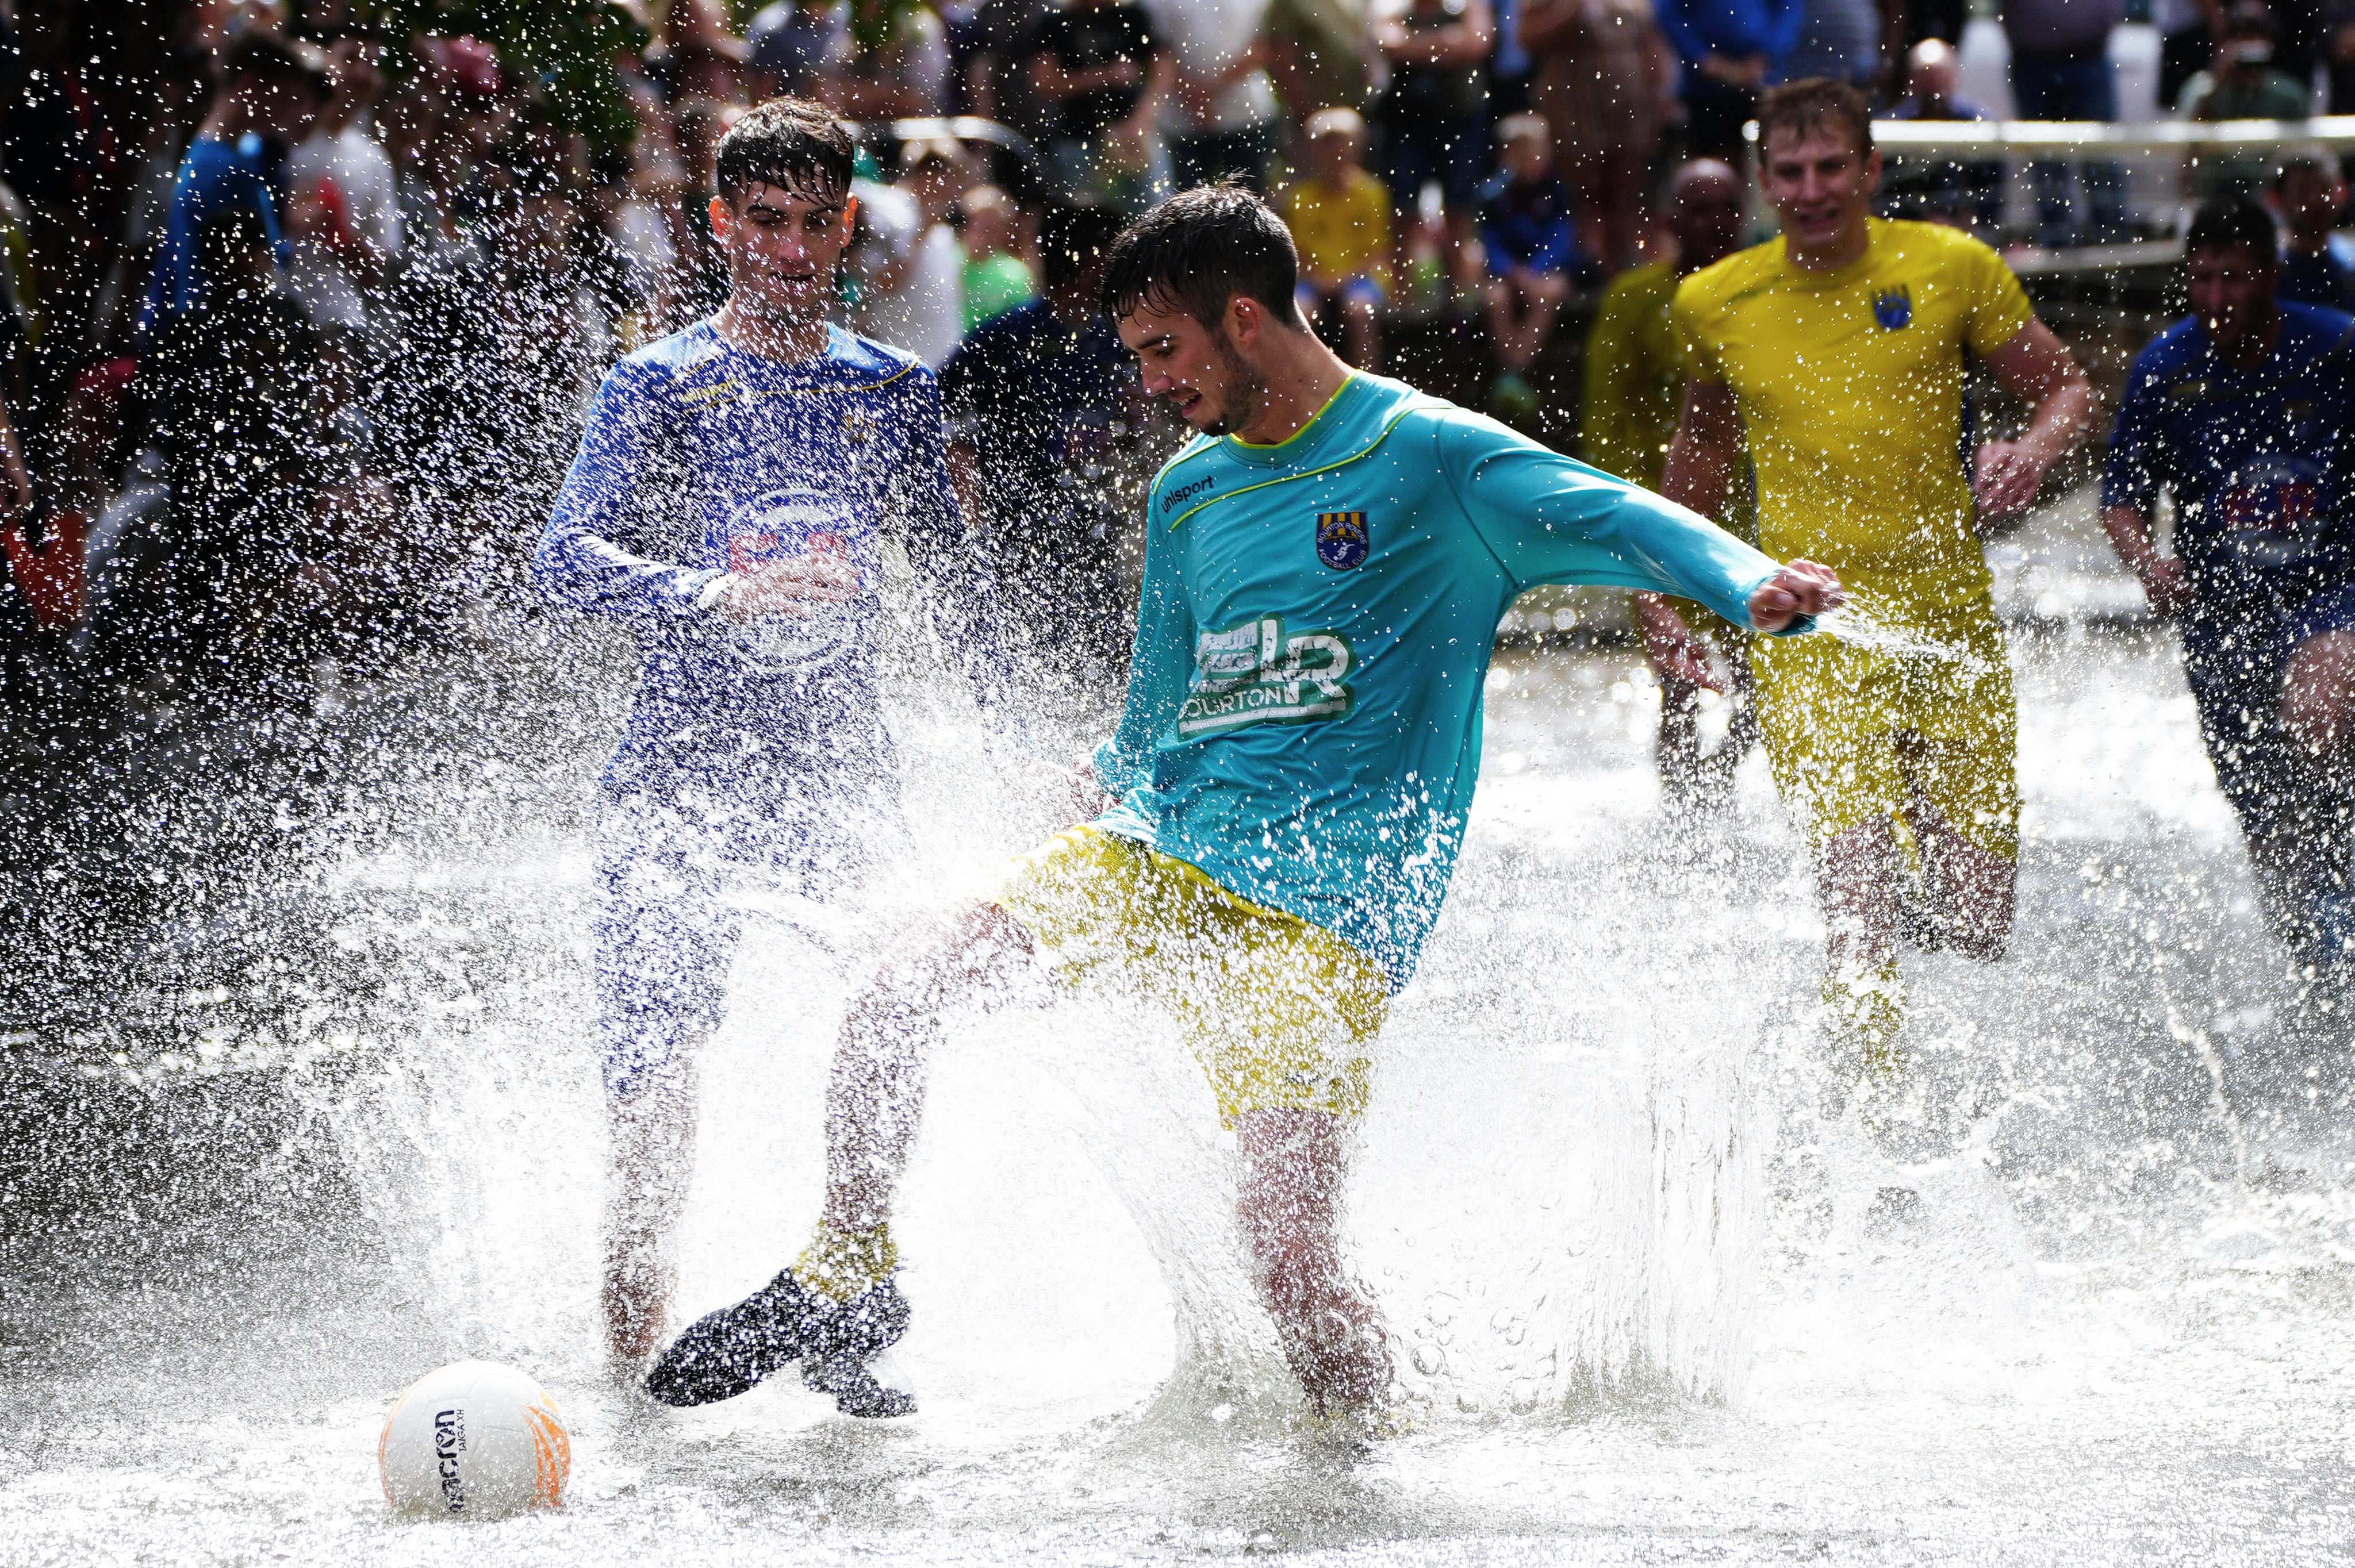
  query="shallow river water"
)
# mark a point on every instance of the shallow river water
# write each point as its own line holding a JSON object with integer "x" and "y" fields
{"x": 1640, "y": 1309}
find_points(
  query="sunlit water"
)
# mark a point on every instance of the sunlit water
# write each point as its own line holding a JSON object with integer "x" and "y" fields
{"x": 1640, "y": 1311}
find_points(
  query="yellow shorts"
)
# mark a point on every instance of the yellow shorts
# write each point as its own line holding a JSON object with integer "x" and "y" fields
{"x": 1278, "y": 1012}
{"x": 1854, "y": 732}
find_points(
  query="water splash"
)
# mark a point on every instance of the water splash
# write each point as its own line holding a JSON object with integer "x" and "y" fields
{"x": 1874, "y": 621}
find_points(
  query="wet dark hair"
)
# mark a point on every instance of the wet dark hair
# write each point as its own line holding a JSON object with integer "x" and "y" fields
{"x": 271, "y": 56}
{"x": 789, "y": 143}
{"x": 1200, "y": 249}
{"x": 2232, "y": 220}
{"x": 1071, "y": 235}
{"x": 1801, "y": 106}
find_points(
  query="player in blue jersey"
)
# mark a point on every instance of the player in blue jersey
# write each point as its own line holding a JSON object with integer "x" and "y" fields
{"x": 2244, "y": 413}
{"x": 1324, "y": 570}
{"x": 727, "y": 503}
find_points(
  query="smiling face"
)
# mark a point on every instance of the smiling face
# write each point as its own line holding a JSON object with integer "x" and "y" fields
{"x": 1199, "y": 369}
{"x": 1820, "y": 185}
{"x": 783, "y": 247}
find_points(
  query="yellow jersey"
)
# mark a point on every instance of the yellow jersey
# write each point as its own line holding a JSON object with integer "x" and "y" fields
{"x": 1634, "y": 375}
{"x": 1850, "y": 388}
{"x": 1634, "y": 385}
{"x": 1341, "y": 234}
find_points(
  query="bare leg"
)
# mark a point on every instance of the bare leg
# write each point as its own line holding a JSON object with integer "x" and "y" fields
{"x": 2305, "y": 863}
{"x": 650, "y": 1149}
{"x": 875, "y": 1097}
{"x": 1857, "y": 877}
{"x": 1970, "y": 891}
{"x": 1677, "y": 750}
{"x": 1288, "y": 1201}
{"x": 1464, "y": 259}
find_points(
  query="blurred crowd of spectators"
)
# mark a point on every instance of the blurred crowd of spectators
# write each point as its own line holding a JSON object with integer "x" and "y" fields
{"x": 301, "y": 307}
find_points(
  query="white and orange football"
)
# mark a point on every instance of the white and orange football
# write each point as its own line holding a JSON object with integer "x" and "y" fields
{"x": 476, "y": 1440}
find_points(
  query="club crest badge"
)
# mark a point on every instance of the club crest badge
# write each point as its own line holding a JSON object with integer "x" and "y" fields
{"x": 781, "y": 526}
{"x": 1893, "y": 308}
{"x": 1342, "y": 541}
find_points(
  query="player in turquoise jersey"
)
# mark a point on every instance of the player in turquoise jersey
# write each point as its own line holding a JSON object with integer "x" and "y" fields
{"x": 1325, "y": 573}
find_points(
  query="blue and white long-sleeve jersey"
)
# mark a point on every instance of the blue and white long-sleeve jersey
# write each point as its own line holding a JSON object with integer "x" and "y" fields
{"x": 700, "y": 460}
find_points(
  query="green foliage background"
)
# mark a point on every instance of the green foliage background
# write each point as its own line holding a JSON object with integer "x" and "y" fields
{"x": 567, "y": 46}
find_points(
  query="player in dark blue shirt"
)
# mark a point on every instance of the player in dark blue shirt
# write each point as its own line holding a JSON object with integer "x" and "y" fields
{"x": 727, "y": 502}
{"x": 2244, "y": 414}
{"x": 1043, "y": 401}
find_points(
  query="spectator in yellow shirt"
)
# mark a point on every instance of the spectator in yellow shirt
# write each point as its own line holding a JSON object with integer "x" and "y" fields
{"x": 1340, "y": 220}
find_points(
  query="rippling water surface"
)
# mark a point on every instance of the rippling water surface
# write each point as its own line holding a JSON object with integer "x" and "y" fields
{"x": 1643, "y": 1313}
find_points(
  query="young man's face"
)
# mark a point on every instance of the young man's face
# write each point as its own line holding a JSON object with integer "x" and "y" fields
{"x": 2231, "y": 289}
{"x": 783, "y": 247}
{"x": 1819, "y": 184}
{"x": 1197, "y": 369}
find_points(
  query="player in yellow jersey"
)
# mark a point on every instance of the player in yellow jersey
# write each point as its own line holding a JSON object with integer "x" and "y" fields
{"x": 1837, "y": 353}
{"x": 1635, "y": 385}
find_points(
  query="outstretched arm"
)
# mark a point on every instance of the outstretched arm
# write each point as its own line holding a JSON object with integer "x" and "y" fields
{"x": 2038, "y": 367}
{"x": 1698, "y": 473}
{"x": 2163, "y": 583}
{"x": 1547, "y": 518}
{"x": 589, "y": 556}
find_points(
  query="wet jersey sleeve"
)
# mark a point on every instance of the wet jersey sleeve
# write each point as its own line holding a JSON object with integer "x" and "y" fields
{"x": 589, "y": 555}
{"x": 1999, "y": 307}
{"x": 2130, "y": 471}
{"x": 959, "y": 589}
{"x": 1159, "y": 668}
{"x": 1547, "y": 518}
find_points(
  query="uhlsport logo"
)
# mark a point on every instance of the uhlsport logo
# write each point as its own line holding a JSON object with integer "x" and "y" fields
{"x": 1251, "y": 672}
{"x": 1177, "y": 495}
{"x": 1342, "y": 541}
{"x": 1893, "y": 308}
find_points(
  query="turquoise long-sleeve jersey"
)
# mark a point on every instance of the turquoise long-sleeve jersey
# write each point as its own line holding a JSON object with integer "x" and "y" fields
{"x": 1303, "y": 705}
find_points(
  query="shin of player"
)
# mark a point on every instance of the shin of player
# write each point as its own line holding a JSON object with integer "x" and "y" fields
{"x": 1283, "y": 797}
{"x": 1837, "y": 353}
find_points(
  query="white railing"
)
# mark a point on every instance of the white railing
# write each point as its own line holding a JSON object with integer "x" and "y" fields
{"x": 2032, "y": 138}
